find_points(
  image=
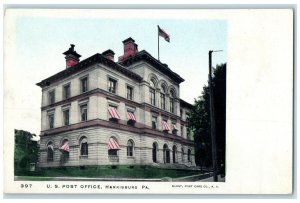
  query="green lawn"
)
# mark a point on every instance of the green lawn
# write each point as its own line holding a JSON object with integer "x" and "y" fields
{"x": 34, "y": 178}
{"x": 110, "y": 172}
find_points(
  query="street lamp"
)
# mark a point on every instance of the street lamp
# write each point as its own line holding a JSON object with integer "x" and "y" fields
{"x": 212, "y": 118}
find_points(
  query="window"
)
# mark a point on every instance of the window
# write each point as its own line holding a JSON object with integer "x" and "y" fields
{"x": 51, "y": 121}
{"x": 152, "y": 96}
{"x": 113, "y": 148}
{"x": 112, "y": 85}
{"x": 51, "y": 97}
{"x": 163, "y": 98}
{"x": 152, "y": 92}
{"x": 66, "y": 91}
{"x": 129, "y": 92}
{"x": 162, "y": 101}
{"x": 66, "y": 117}
{"x": 84, "y": 147}
{"x": 181, "y": 130}
{"x": 114, "y": 114}
{"x": 154, "y": 121}
{"x": 65, "y": 149}
{"x": 174, "y": 154}
{"x": 174, "y": 130}
{"x": 181, "y": 114}
{"x": 131, "y": 118}
{"x": 154, "y": 152}
{"x": 130, "y": 148}
{"x": 189, "y": 155}
{"x": 84, "y": 84}
{"x": 182, "y": 155}
{"x": 83, "y": 112}
{"x": 172, "y": 96}
{"x": 166, "y": 153}
{"x": 50, "y": 151}
{"x": 113, "y": 152}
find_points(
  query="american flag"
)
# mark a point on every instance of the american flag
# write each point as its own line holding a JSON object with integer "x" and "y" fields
{"x": 163, "y": 34}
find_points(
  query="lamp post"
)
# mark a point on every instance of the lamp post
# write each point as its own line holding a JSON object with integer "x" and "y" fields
{"x": 212, "y": 118}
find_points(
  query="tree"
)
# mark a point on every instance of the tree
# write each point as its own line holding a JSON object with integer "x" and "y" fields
{"x": 200, "y": 121}
{"x": 26, "y": 150}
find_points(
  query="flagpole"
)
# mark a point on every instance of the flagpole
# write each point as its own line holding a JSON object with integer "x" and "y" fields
{"x": 158, "y": 41}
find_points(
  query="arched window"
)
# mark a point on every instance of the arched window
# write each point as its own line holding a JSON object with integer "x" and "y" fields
{"x": 163, "y": 98}
{"x": 50, "y": 151}
{"x": 166, "y": 152}
{"x": 182, "y": 155}
{"x": 174, "y": 154}
{"x": 130, "y": 147}
{"x": 154, "y": 152}
{"x": 65, "y": 149}
{"x": 172, "y": 98}
{"x": 189, "y": 155}
{"x": 113, "y": 148}
{"x": 152, "y": 92}
{"x": 84, "y": 147}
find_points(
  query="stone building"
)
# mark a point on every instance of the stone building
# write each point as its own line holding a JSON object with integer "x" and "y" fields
{"x": 101, "y": 112}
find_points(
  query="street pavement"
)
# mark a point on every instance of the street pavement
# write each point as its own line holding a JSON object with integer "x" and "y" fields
{"x": 211, "y": 179}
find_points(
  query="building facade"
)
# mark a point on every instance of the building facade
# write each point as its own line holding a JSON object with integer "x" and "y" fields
{"x": 101, "y": 112}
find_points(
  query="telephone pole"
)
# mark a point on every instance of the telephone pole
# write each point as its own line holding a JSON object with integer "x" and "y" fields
{"x": 212, "y": 118}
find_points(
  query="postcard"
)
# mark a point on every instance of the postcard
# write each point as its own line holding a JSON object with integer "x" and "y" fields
{"x": 146, "y": 101}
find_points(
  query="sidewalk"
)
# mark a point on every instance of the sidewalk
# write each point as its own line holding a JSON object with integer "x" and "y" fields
{"x": 211, "y": 179}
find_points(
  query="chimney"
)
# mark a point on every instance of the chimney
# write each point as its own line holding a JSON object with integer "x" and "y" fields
{"x": 130, "y": 49}
{"x": 109, "y": 54}
{"x": 72, "y": 58}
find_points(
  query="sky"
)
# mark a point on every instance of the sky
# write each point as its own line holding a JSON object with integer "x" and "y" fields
{"x": 41, "y": 40}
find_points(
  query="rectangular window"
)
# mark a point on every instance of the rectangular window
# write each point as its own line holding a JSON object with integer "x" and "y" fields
{"x": 112, "y": 85}
{"x": 163, "y": 101}
{"x": 181, "y": 130}
{"x": 154, "y": 122}
{"x": 129, "y": 150}
{"x": 84, "y": 149}
{"x": 131, "y": 118}
{"x": 66, "y": 114}
{"x": 152, "y": 96}
{"x": 66, "y": 91}
{"x": 114, "y": 114}
{"x": 83, "y": 112}
{"x": 84, "y": 84}
{"x": 51, "y": 121}
{"x": 129, "y": 92}
{"x": 181, "y": 114}
{"x": 171, "y": 105}
{"x": 174, "y": 128}
{"x": 113, "y": 152}
{"x": 51, "y": 97}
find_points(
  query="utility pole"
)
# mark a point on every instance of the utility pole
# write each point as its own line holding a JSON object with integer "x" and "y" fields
{"x": 212, "y": 118}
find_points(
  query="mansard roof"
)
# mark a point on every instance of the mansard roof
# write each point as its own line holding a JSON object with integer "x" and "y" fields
{"x": 145, "y": 56}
